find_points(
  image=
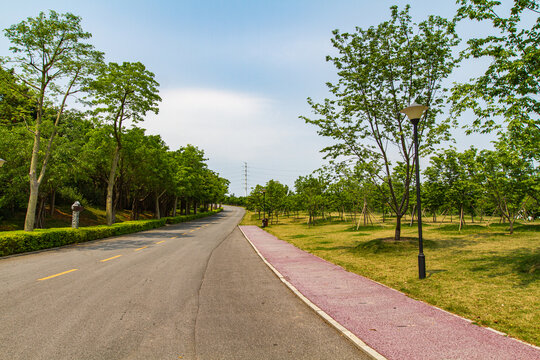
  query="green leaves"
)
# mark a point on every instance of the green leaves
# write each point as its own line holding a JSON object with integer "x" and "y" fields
{"x": 124, "y": 92}
{"x": 51, "y": 48}
{"x": 510, "y": 86}
{"x": 381, "y": 70}
{"x": 76, "y": 154}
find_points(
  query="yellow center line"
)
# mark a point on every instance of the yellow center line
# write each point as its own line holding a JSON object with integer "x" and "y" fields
{"x": 114, "y": 257}
{"x": 192, "y": 230}
{"x": 144, "y": 247}
{"x": 162, "y": 241}
{"x": 174, "y": 237}
{"x": 184, "y": 233}
{"x": 55, "y": 275}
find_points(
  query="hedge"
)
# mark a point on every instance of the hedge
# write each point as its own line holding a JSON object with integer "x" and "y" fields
{"x": 15, "y": 242}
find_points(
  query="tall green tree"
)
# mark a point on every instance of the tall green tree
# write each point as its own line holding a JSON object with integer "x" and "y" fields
{"x": 215, "y": 188}
{"x": 454, "y": 179}
{"x": 53, "y": 59}
{"x": 255, "y": 200}
{"x": 311, "y": 189}
{"x": 511, "y": 178}
{"x": 510, "y": 85}
{"x": 190, "y": 173}
{"x": 121, "y": 93}
{"x": 381, "y": 70}
{"x": 275, "y": 198}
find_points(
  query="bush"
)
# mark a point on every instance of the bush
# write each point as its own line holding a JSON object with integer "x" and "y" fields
{"x": 14, "y": 242}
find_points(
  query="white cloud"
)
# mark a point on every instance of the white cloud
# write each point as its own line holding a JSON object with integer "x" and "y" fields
{"x": 233, "y": 127}
{"x": 215, "y": 120}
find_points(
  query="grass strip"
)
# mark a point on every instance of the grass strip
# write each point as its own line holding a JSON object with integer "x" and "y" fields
{"x": 481, "y": 273}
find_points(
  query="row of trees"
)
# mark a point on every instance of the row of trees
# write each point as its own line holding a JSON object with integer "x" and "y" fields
{"x": 150, "y": 177}
{"x": 383, "y": 69}
{"x": 88, "y": 155}
{"x": 470, "y": 183}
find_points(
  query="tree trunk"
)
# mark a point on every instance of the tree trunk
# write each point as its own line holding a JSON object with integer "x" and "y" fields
{"x": 364, "y": 210}
{"x": 512, "y": 225}
{"x": 412, "y": 215}
{"x": 157, "y": 213}
{"x": 30, "y": 219}
{"x": 40, "y": 215}
{"x": 175, "y": 206}
{"x": 461, "y": 220}
{"x": 397, "y": 235}
{"x": 53, "y": 201}
{"x": 109, "y": 206}
{"x": 133, "y": 208}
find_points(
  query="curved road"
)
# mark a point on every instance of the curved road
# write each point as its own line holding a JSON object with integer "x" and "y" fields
{"x": 195, "y": 290}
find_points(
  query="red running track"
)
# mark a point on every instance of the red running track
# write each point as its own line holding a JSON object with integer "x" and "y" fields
{"x": 391, "y": 323}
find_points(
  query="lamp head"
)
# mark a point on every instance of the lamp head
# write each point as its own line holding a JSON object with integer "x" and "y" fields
{"x": 414, "y": 111}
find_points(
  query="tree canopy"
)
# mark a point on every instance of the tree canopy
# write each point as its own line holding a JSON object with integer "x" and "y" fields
{"x": 382, "y": 70}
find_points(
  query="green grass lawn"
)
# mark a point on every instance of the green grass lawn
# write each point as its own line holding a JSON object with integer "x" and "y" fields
{"x": 481, "y": 272}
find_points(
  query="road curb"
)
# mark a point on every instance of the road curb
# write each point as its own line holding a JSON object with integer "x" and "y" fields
{"x": 362, "y": 346}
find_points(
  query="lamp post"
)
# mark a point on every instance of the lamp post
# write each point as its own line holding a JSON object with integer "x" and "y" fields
{"x": 414, "y": 112}
{"x": 2, "y": 161}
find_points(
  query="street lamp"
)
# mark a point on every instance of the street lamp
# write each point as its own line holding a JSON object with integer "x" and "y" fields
{"x": 2, "y": 161}
{"x": 414, "y": 112}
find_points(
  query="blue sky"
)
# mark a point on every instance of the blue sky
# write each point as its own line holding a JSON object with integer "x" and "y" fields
{"x": 234, "y": 75}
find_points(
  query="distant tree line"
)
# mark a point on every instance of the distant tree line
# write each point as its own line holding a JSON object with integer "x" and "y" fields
{"x": 457, "y": 186}
{"x": 57, "y": 154}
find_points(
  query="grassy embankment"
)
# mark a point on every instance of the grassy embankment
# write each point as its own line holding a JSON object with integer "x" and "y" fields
{"x": 90, "y": 216}
{"x": 481, "y": 273}
{"x": 18, "y": 241}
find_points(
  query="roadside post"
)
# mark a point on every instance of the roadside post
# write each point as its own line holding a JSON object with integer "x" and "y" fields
{"x": 76, "y": 208}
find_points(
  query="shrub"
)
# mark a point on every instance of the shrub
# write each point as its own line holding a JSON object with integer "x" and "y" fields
{"x": 14, "y": 242}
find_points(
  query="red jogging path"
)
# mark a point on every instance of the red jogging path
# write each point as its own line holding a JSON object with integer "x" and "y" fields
{"x": 389, "y": 322}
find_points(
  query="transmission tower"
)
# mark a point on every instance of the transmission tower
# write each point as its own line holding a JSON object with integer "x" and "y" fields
{"x": 246, "y": 177}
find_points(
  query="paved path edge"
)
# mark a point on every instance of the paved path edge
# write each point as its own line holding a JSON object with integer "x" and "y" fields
{"x": 340, "y": 328}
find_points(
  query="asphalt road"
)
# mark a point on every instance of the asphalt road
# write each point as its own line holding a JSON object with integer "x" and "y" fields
{"x": 189, "y": 291}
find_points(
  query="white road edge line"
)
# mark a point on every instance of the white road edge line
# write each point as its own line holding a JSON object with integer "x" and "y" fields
{"x": 344, "y": 331}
